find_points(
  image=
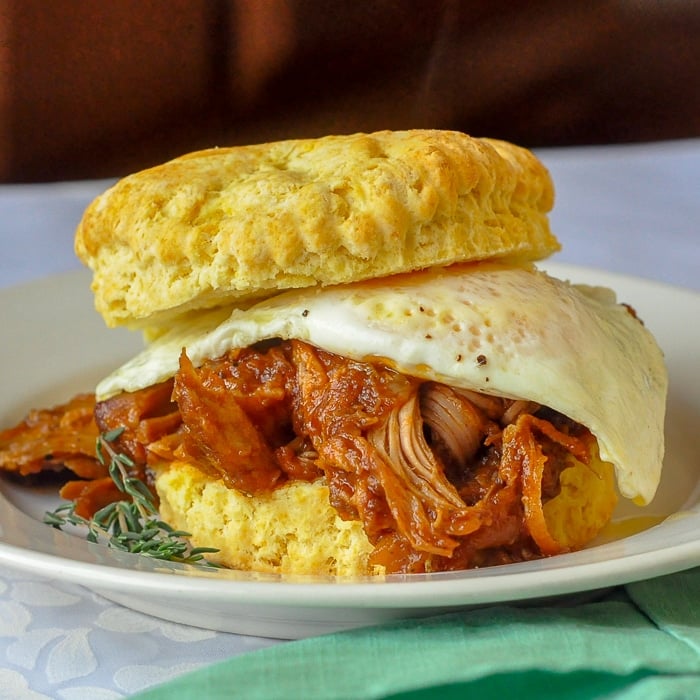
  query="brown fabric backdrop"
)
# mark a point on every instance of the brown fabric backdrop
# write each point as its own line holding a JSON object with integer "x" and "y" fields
{"x": 92, "y": 89}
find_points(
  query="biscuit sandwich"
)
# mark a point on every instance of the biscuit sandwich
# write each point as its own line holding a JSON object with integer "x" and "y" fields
{"x": 352, "y": 364}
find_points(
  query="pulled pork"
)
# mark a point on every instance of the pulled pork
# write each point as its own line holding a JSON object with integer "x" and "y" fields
{"x": 441, "y": 478}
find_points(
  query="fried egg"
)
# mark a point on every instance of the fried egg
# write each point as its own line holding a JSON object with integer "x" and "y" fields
{"x": 506, "y": 331}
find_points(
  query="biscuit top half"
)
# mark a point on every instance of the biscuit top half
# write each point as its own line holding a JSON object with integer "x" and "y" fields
{"x": 230, "y": 226}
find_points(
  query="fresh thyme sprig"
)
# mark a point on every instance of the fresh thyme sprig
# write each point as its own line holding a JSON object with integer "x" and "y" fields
{"x": 129, "y": 525}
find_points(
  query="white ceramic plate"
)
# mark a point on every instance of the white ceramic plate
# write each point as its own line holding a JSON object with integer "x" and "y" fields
{"x": 54, "y": 345}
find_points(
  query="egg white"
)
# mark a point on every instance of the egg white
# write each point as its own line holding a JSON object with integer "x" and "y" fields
{"x": 502, "y": 330}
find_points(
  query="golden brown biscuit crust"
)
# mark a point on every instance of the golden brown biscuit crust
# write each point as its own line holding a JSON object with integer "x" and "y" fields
{"x": 232, "y": 225}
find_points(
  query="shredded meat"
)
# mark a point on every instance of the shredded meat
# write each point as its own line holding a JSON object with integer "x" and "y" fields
{"x": 440, "y": 477}
{"x": 457, "y": 426}
{"x": 336, "y": 401}
{"x": 521, "y": 447}
{"x": 146, "y": 416}
{"x": 433, "y": 512}
{"x": 219, "y": 435}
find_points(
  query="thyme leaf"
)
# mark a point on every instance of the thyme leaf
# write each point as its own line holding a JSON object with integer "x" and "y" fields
{"x": 129, "y": 525}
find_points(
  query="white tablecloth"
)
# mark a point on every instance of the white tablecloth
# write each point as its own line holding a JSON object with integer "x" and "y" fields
{"x": 630, "y": 209}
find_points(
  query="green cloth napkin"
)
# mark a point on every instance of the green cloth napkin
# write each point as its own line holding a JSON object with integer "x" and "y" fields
{"x": 639, "y": 642}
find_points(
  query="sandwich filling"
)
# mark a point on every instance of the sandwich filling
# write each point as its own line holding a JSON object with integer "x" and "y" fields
{"x": 440, "y": 478}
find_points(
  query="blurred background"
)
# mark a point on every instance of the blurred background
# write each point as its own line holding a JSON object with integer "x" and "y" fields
{"x": 99, "y": 89}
